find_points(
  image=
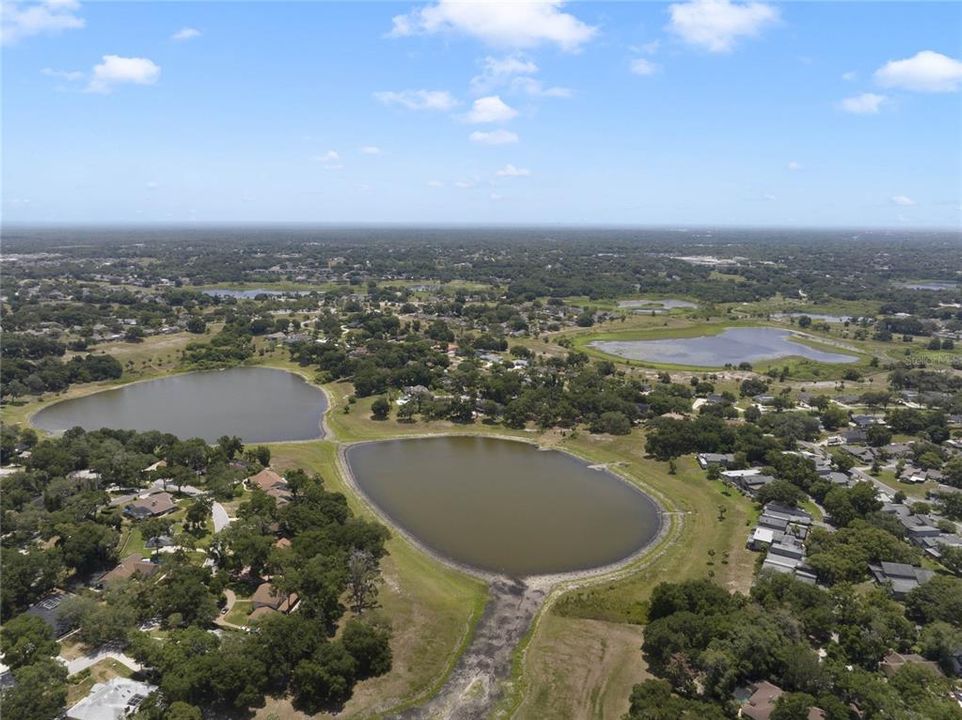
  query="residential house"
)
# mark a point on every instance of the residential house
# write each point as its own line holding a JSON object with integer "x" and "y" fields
{"x": 722, "y": 459}
{"x": 115, "y": 699}
{"x": 151, "y": 506}
{"x": 893, "y": 662}
{"x": 48, "y": 609}
{"x": 863, "y": 454}
{"x": 751, "y": 484}
{"x": 761, "y": 704}
{"x": 900, "y": 578}
{"x": 272, "y": 484}
{"x": 127, "y": 568}
{"x": 267, "y": 599}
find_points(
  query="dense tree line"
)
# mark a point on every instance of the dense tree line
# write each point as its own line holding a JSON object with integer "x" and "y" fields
{"x": 702, "y": 642}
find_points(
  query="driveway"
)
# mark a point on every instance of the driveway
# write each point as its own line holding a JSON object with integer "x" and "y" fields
{"x": 85, "y": 661}
{"x": 220, "y": 517}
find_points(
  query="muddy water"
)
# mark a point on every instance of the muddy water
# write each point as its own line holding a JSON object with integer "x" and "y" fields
{"x": 255, "y": 404}
{"x": 504, "y": 506}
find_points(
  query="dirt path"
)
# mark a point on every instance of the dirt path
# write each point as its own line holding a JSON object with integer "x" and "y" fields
{"x": 475, "y": 684}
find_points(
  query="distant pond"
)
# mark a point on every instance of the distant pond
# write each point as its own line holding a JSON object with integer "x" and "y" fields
{"x": 816, "y": 316}
{"x": 251, "y": 294}
{"x": 655, "y": 305}
{"x": 734, "y": 346}
{"x": 933, "y": 285}
{"x": 255, "y": 404}
{"x": 504, "y": 506}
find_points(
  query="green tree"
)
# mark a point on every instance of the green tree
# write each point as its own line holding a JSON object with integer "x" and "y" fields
{"x": 380, "y": 409}
{"x": 792, "y": 706}
{"x": 26, "y": 640}
{"x": 88, "y": 546}
{"x": 325, "y": 679}
{"x": 370, "y": 646}
{"x": 40, "y": 692}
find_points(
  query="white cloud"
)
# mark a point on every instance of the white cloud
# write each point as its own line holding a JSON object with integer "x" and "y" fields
{"x": 849, "y": 76}
{"x": 864, "y": 104}
{"x": 510, "y": 65}
{"x": 49, "y": 17}
{"x": 794, "y": 166}
{"x": 440, "y": 100}
{"x": 370, "y": 150}
{"x": 331, "y": 160}
{"x": 641, "y": 66}
{"x": 716, "y": 25}
{"x": 463, "y": 184}
{"x": 490, "y": 109}
{"x": 926, "y": 71}
{"x": 510, "y": 170}
{"x": 534, "y": 88}
{"x": 513, "y": 72}
{"x": 495, "y": 196}
{"x": 650, "y": 48}
{"x": 185, "y": 33}
{"x": 902, "y": 201}
{"x": 495, "y": 137}
{"x": 69, "y": 75}
{"x": 497, "y": 72}
{"x": 116, "y": 70}
{"x": 516, "y": 24}
{"x": 152, "y": 185}
{"x": 769, "y": 197}
{"x": 435, "y": 183}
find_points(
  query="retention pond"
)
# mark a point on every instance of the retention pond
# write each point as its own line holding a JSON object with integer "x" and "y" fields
{"x": 503, "y": 506}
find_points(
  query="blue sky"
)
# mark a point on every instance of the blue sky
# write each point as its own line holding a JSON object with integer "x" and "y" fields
{"x": 693, "y": 113}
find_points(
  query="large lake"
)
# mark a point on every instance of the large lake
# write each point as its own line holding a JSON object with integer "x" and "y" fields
{"x": 734, "y": 346}
{"x": 255, "y": 404}
{"x": 504, "y": 506}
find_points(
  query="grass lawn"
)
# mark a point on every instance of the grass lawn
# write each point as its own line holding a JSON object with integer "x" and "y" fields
{"x": 79, "y": 685}
{"x": 912, "y": 490}
{"x": 238, "y": 614}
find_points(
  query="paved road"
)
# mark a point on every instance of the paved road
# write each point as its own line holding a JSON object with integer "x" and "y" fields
{"x": 220, "y": 517}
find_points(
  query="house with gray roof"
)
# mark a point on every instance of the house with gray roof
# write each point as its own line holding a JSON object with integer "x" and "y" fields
{"x": 900, "y": 578}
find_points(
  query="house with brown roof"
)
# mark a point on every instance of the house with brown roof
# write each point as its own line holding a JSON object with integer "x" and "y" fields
{"x": 271, "y": 483}
{"x": 893, "y": 662}
{"x": 151, "y": 506}
{"x": 127, "y": 568}
{"x": 761, "y": 703}
{"x": 269, "y": 597}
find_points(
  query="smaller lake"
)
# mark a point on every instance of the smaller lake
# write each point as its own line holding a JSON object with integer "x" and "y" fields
{"x": 504, "y": 506}
{"x": 817, "y": 316}
{"x": 655, "y": 305}
{"x": 251, "y": 294}
{"x": 255, "y": 404}
{"x": 734, "y": 346}
{"x": 934, "y": 285}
